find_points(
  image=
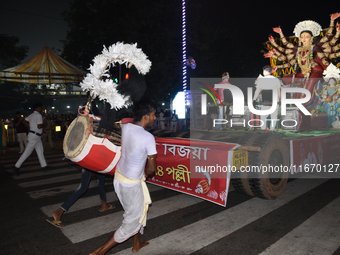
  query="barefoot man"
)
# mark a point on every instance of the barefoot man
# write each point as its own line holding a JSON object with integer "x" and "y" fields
{"x": 138, "y": 145}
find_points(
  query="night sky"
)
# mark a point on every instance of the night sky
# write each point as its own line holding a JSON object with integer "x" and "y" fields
{"x": 38, "y": 23}
{"x": 254, "y": 20}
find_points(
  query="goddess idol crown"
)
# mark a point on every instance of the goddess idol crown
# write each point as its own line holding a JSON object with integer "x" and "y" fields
{"x": 308, "y": 25}
{"x": 331, "y": 72}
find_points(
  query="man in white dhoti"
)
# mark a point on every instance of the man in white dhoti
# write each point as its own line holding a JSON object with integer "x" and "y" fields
{"x": 138, "y": 145}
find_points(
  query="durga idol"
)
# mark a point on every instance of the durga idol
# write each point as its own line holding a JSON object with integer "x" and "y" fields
{"x": 309, "y": 58}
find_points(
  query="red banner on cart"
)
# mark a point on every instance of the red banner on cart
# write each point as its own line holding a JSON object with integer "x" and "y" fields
{"x": 309, "y": 153}
{"x": 194, "y": 167}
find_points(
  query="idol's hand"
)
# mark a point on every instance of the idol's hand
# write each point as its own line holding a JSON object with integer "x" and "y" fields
{"x": 277, "y": 30}
{"x": 268, "y": 55}
{"x": 271, "y": 39}
{"x": 335, "y": 16}
{"x": 274, "y": 69}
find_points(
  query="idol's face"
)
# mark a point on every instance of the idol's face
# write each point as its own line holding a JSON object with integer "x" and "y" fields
{"x": 306, "y": 39}
{"x": 332, "y": 82}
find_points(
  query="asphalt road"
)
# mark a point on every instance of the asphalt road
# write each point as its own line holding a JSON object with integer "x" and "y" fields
{"x": 304, "y": 220}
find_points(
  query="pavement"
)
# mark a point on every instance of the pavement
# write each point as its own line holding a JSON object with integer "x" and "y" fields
{"x": 23, "y": 226}
{"x": 24, "y": 229}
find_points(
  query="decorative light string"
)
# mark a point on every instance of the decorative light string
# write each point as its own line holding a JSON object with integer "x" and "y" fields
{"x": 184, "y": 51}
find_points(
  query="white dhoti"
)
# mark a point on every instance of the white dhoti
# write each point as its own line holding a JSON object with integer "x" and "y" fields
{"x": 135, "y": 201}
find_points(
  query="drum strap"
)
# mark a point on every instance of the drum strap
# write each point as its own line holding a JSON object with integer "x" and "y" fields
{"x": 147, "y": 199}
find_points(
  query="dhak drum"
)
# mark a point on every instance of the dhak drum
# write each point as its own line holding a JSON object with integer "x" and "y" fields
{"x": 90, "y": 148}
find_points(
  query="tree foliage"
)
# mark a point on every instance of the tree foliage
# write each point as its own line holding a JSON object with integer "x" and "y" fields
{"x": 11, "y": 54}
{"x": 156, "y": 26}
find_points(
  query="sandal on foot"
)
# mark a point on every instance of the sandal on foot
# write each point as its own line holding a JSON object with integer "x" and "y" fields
{"x": 109, "y": 208}
{"x": 56, "y": 223}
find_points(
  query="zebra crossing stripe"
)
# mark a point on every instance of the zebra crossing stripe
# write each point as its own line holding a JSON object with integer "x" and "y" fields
{"x": 320, "y": 234}
{"x": 50, "y": 180}
{"x": 87, "y": 202}
{"x": 88, "y": 229}
{"x": 190, "y": 238}
{"x": 33, "y": 164}
{"x": 24, "y": 175}
{"x": 50, "y": 192}
{"x": 11, "y": 160}
{"x": 82, "y": 203}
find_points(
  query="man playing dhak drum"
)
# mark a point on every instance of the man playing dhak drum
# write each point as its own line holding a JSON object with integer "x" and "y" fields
{"x": 138, "y": 146}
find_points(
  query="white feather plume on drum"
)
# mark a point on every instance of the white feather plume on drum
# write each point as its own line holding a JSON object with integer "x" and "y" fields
{"x": 84, "y": 143}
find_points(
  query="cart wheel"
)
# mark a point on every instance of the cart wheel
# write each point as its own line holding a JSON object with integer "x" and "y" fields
{"x": 274, "y": 153}
{"x": 240, "y": 179}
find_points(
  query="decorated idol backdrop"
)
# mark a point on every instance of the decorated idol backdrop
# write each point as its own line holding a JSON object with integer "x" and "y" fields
{"x": 310, "y": 60}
